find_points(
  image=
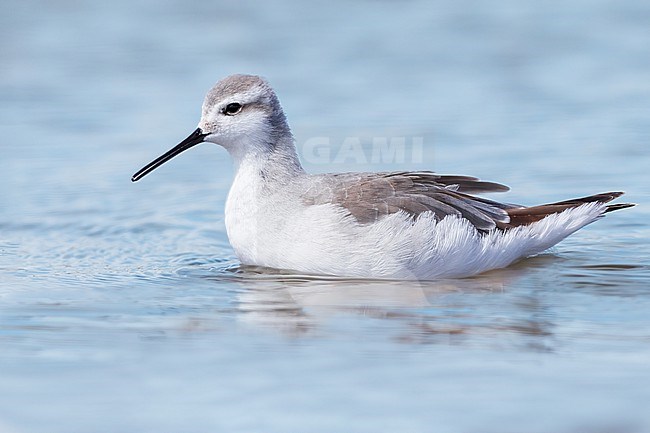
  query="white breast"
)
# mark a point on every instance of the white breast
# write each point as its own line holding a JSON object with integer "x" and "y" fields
{"x": 272, "y": 227}
{"x": 242, "y": 215}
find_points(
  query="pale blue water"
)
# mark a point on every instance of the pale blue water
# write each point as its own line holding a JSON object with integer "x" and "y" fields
{"x": 122, "y": 307}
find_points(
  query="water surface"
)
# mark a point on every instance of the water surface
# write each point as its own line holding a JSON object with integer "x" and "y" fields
{"x": 123, "y": 308}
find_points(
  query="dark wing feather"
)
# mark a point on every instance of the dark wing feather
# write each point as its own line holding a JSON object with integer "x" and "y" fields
{"x": 526, "y": 215}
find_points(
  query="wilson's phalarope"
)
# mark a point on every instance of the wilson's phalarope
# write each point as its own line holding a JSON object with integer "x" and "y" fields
{"x": 413, "y": 225}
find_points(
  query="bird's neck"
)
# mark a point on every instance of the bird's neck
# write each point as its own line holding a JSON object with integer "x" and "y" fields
{"x": 273, "y": 162}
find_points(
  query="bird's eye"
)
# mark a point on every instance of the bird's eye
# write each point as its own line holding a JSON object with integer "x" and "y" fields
{"x": 232, "y": 109}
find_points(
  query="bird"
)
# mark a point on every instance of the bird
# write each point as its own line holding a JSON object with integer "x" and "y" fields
{"x": 405, "y": 225}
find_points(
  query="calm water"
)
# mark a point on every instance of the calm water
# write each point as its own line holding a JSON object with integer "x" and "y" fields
{"x": 122, "y": 306}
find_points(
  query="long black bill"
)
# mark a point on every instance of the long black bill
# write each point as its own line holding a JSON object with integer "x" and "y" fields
{"x": 195, "y": 138}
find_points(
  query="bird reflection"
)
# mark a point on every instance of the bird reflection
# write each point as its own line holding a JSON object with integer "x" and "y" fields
{"x": 493, "y": 308}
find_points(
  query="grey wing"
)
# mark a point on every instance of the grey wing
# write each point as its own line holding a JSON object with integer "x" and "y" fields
{"x": 370, "y": 196}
